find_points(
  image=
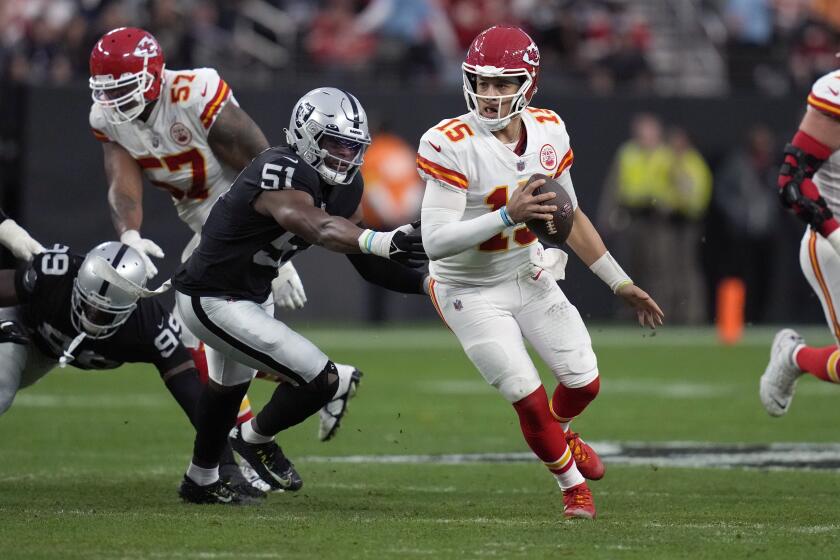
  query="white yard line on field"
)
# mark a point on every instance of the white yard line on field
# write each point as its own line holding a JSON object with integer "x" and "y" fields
{"x": 784, "y": 456}
{"x": 432, "y": 337}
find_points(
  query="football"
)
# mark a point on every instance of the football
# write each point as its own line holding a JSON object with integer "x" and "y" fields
{"x": 553, "y": 232}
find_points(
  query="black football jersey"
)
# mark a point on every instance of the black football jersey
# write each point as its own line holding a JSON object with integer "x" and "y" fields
{"x": 44, "y": 288}
{"x": 240, "y": 249}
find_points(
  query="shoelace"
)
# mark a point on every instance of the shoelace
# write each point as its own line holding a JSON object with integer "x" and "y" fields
{"x": 580, "y": 497}
{"x": 573, "y": 440}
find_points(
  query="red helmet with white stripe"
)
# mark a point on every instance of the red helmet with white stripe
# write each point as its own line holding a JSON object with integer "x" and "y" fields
{"x": 126, "y": 72}
{"x": 501, "y": 52}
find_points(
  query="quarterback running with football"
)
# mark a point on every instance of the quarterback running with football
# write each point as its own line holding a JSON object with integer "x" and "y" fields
{"x": 809, "y": 185}
{"x": 490, "y": 283}
{"x": 287, "y": 199}
{"x": 184, "y": 131}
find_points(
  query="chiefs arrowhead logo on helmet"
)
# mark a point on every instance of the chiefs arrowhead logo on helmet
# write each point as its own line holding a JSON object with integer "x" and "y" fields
{"x": 532, "y": 55}
{"x": 147, "y": 47}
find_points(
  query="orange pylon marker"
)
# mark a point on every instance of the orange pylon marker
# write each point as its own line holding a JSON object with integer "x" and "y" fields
{"x": 731, "y": 299}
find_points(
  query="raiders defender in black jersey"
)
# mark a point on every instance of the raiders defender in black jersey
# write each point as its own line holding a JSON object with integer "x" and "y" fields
{"x": 56, "y": 310}
{"x": 287, "y": 199}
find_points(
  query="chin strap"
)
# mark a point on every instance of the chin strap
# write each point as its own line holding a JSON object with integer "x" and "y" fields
{"x": 67, "y": 355}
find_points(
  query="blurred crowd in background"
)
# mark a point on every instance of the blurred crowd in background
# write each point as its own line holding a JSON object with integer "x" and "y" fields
{"x": 660, "y": 192}
{"x": 600, "y": 46}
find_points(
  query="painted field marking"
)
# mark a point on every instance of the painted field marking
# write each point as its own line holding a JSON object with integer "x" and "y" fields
{"x": 774, "y": 456}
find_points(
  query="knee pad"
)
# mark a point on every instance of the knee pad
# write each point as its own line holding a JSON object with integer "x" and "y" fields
{"x": 579, "y": 369}
{"x": 514, "y": 381}
{"x": 516, "y": 388}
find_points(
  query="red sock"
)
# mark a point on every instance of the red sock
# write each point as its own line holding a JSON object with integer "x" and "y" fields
{"x": 200, "y": 359}
{"x": 543, "y": 434}
{"x": 820, "y": 362}
{"x": 568, "y": 403}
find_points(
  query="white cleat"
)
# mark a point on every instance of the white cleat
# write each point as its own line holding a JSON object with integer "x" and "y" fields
{"x": 779, "y": 380}
{"x": 331, "y": 414}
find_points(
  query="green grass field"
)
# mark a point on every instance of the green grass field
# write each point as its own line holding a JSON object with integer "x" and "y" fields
{"x": 89, "y": 463}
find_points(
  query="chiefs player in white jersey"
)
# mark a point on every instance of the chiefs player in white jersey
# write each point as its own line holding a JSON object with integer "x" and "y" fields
{"x": 185, "y": 132}
{"x": 488, "y": 282}
{"x": 809, "y": 185}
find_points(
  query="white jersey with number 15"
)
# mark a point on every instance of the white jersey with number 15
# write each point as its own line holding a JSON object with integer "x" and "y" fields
{"x": 461, "y": 155}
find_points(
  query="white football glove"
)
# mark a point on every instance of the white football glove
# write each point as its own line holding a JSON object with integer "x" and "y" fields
{"x": 15, "y": 238}
{"x": 287, "y": 288}
{"x": 145, "y": 247}
{"x": 551, "y": 259}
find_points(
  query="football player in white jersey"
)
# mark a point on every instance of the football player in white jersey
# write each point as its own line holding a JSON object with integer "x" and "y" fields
{"x": 809, "y": 185}
{"x": 491, "y": 283}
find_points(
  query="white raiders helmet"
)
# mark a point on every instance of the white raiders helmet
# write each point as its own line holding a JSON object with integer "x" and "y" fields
{"x": 98, "y": 307}
{"x": 329, "y": 131}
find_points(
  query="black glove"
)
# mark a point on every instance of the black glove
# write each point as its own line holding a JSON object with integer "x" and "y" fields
{"x": 812, "y": 212}
{"x": 407, "y": 248}
{"x": 10, "y": 331}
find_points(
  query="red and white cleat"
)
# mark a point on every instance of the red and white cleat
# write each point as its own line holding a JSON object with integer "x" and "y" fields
{"x": 578, "y": 503}
{"x": 587, "y": 461}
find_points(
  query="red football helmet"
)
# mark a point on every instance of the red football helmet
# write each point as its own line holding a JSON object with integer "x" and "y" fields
{"x": 499, "y": 52}
{"x": 126, "y": 71}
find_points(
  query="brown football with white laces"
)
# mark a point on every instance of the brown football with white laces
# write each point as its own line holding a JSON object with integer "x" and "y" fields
{"x": 555, "y": 231}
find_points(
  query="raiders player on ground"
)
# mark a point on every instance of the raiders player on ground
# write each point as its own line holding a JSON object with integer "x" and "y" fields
{"x": 57, "y": 310}
{"x": 287, "y": 199}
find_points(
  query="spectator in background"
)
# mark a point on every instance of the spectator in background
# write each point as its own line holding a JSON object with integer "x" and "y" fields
{"x": 812, "y": 54}
{"x": 691, "y": 181}
{"x": 335, "y": 45}
{"x": 392, "y": 197}
{"x": 637, "y": 206}
{"x": 413, "y": 37}
{"x": 745, "y": 195}
{"x": 471, "y": 17}
{"x": 750, "y": 27}
{"x": 613, "y": 48}
{"x": 552, "y": 25}
{"x": 168, "y": 24}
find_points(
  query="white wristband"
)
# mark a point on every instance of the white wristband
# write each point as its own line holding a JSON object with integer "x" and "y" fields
{"x": 607, "y": 269}
{"x": 376, "y": 243}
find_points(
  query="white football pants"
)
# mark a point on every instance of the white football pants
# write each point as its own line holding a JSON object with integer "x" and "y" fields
{"x": 246, "y": 337}
{"x": 21, "y": 365}
{"x": 821, "y": 266}
{"x": 491, "y": 321}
